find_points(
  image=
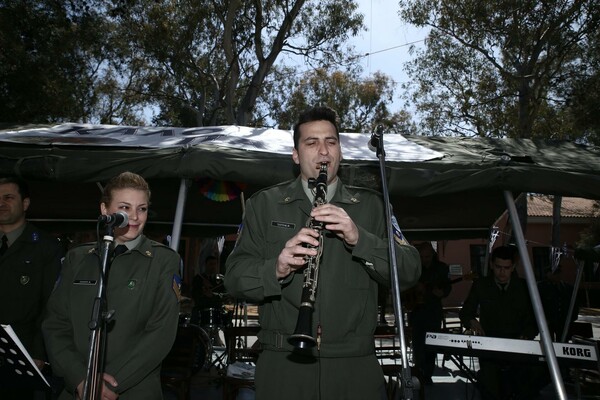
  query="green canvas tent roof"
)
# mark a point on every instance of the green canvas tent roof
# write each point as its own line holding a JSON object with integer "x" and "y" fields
{"x": 440, "y": 187}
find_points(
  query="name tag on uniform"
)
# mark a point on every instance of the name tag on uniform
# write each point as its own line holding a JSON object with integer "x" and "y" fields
{"x": 286, "y": 225}
{"x": 84, "y": 282}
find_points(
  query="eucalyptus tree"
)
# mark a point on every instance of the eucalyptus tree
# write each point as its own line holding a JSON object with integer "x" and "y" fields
{"x": 496, "y": 68}
{"x": 62, "y": 61}
{"x": 209, "y": 62}
{"x": 41, "y": 63}
{"x": 362, "y": 103}
{"x": 583, "y": 93}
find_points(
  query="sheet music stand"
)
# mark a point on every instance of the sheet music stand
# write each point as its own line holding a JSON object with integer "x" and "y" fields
{"x": 16, "y": 365}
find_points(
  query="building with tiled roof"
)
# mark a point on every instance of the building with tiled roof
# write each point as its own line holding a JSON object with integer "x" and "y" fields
{"x": 466, "y": 257}
{"x": 541, "y": 206}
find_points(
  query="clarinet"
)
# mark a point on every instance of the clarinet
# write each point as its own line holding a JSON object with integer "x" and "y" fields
{"x": 302, "y": 337}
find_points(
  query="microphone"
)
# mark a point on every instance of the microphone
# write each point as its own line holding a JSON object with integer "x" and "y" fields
{"x": 375, "y": 138}
{"x": 120, "y": 219}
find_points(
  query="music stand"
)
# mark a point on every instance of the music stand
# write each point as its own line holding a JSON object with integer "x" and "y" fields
{"x": 16, "y": 365}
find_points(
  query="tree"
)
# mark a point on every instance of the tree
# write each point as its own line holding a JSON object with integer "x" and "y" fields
{"x": 195, "y": 62}
{"x": 583, "y": 93}
{"x": 62, "y": 61}
{"x": 362, "y": 104}
{"x": 39, "y": 65}
{"x": 495, "y": 68}
{"x": 209, "y": 62}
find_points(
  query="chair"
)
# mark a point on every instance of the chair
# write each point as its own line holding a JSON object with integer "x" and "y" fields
{"x": 240, "y": 347}
{"x": 451, "y": 322}
{"x": 178, "y": 366}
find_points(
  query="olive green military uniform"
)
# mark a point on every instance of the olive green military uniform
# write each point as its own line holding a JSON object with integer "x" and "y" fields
{"x": 28, "y": 272}
{"x": 345, "y": 366}
{"x": 143, "y": 328}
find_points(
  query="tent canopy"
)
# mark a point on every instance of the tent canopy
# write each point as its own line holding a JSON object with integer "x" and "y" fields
{"x": 440, "y": 187}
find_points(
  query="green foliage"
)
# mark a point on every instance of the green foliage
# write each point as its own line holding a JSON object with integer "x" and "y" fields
{"x": 193, "y": 62}
{"x": 38, "y": 57}
{"x": 589, "y": 237}
{"x": 62, "y": 61}
{"x": 503, "y": 68}
{"x": 361, "y": 103}
{"x": 210, "y": 62}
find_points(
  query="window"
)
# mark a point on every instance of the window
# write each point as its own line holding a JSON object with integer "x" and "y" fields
{"x": 541, "y": 261}
{"x": 477, "y": 254}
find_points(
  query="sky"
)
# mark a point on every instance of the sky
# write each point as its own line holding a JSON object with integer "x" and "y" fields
{"x": 387, "y": 41}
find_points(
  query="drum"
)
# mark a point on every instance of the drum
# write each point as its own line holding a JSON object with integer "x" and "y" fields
{"x": 204, "y": 352}
{"x": 192, "y": 349}
{"x": 215, "y": 317}
{"x": 185, "y": 318}
{"x": 211, "y": 317}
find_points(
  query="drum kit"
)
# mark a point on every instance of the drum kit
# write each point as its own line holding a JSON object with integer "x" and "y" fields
{"x": 211, "y": 318}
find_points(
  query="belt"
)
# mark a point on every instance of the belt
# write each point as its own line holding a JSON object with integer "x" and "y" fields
{"x": 353, "y": 346}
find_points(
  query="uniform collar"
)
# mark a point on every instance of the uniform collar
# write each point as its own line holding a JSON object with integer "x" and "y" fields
{"x": 294, "y": 191}
{"x": 142, "y": 245}
{"x": 132, "y": 244}
{"x": 13, "y": 235}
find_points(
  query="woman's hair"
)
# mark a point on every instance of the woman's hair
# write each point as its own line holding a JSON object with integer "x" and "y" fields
{"x": 125, "y": 180}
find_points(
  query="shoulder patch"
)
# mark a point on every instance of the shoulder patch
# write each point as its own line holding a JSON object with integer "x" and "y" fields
{"x": 177, "y": 287}
{"x": 398, "y": 236}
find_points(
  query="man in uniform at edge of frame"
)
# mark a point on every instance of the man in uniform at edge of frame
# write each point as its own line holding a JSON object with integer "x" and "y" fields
{"x": 30, "y": 262}
{"x": 266, "y": 267}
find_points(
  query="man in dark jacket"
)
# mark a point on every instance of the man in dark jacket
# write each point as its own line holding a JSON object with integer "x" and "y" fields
{"x": 30, "y": 262}
{"x": 267, "y": 265}
{"x": 504, "y": 311}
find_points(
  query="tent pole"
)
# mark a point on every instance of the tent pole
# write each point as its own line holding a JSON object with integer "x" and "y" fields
{"x": 547, "y": 346}
{"x": 563, "y": 337}
{"x": 176, "y": 233}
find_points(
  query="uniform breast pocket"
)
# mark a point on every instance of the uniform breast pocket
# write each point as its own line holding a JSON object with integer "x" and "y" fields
{"x": 276, "y": 240}
{"x": 126, "y": 288}
{"x": 127, "y": 295}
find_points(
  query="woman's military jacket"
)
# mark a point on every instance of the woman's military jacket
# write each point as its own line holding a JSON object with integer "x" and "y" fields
{"x": 142, "y": 330}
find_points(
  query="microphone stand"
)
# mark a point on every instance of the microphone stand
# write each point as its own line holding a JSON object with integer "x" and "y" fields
{"x": 98, "y": 323}
{"x": 408, "y": 382}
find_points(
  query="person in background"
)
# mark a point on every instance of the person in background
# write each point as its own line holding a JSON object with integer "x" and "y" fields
{"x": 140, "y": 289}
{"x": 505, "y": 311}
{"x": 267, "y": 266}
{"x": 427, "y": 312}
{"x": 208, "y": 292}
{"x": 30, "y": 261}
{"x": 555, "y": 295}
{"x": 207, "y": 287}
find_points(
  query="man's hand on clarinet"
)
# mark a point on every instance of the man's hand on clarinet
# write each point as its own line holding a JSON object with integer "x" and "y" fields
{"x": 338, "y": 221}
{"x": 293, "y": 255}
